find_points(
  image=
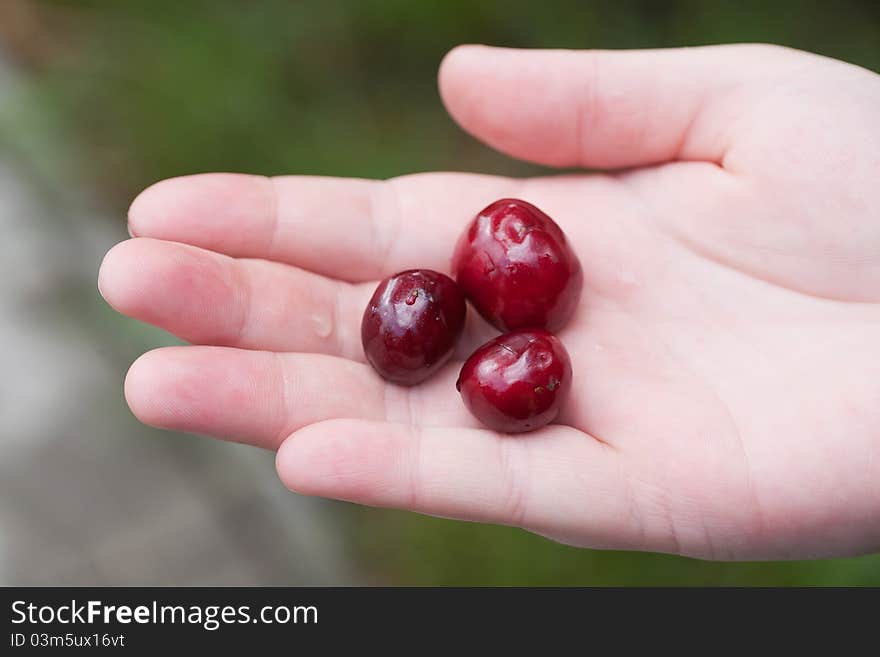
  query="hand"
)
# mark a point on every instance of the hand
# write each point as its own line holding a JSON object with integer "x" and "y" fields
{"x": 726, "y": 353}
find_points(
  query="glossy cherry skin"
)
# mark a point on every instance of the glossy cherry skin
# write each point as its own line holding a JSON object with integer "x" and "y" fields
{"x": 516, "y": 382}
{"x": 411, "y": 325}
{"x": 516, "y": 267}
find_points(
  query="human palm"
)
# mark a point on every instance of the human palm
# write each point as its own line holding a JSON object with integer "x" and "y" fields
{"x": 726, "y": 393}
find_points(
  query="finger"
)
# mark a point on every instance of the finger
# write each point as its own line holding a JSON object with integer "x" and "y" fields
{"x": 606, "y": 109}
{"x": 259, "y": 397}
{"x": 208, "y": 298}
{"x": 211, "y": 299}
{"x": 556, "y": 481}
{"x": 356, "y": 230}
{"x": 247, "y": 396}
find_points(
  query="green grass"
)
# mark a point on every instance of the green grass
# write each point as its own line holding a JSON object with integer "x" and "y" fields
{"x": 402, "y": 548}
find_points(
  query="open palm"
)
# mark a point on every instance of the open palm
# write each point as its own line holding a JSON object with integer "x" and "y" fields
{"x": 726, "y": 353}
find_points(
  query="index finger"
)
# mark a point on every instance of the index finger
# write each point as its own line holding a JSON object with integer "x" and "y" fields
{"x": 350, "y": 229}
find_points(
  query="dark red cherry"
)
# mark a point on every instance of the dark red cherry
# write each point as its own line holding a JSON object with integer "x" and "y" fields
{"x": 516, "y": 267}
{"x": 516, "y": 382}
{"x": 411, "y": 325}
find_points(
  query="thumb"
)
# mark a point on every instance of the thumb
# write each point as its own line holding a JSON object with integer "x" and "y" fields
{"x": 606, "y": 109}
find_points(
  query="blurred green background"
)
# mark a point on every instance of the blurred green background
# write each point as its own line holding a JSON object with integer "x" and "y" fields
{"x": 120, "y": 94}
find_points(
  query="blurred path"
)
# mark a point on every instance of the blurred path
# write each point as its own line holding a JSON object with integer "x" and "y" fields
{"x": 87, "y": 495}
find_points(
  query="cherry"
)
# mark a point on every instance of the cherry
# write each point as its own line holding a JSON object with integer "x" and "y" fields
{"x": 516, "y": 267}
{"x": 411, "y": 325}
{"x": 516, "y": 382}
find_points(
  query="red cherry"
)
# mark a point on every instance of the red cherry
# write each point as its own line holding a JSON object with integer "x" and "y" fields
{"x": 516, "y": 382}
{"x": 411, "y": 325}
{"x": 516, "y": 267}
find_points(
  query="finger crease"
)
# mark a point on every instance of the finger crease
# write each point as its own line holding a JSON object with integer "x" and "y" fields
{"x": 245, "y": 295}
{"x": 587, "y": 113}
{"x": 410, "y": 405}
{"x": 336, "y": 322}
{"x": 386, "y": 220}
{"x": 515, "y": 465}
{"x": 415, "y": 466}
{"x": 683, "y": 139}
{"x": 286, "y": 413}
{"x": 274, "y": 217}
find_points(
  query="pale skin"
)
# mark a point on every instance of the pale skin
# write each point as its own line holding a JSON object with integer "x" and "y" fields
{"x": 726, "y": 352}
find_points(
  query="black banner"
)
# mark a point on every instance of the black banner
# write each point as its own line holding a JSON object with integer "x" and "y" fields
{"x": 113, "y": 619}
